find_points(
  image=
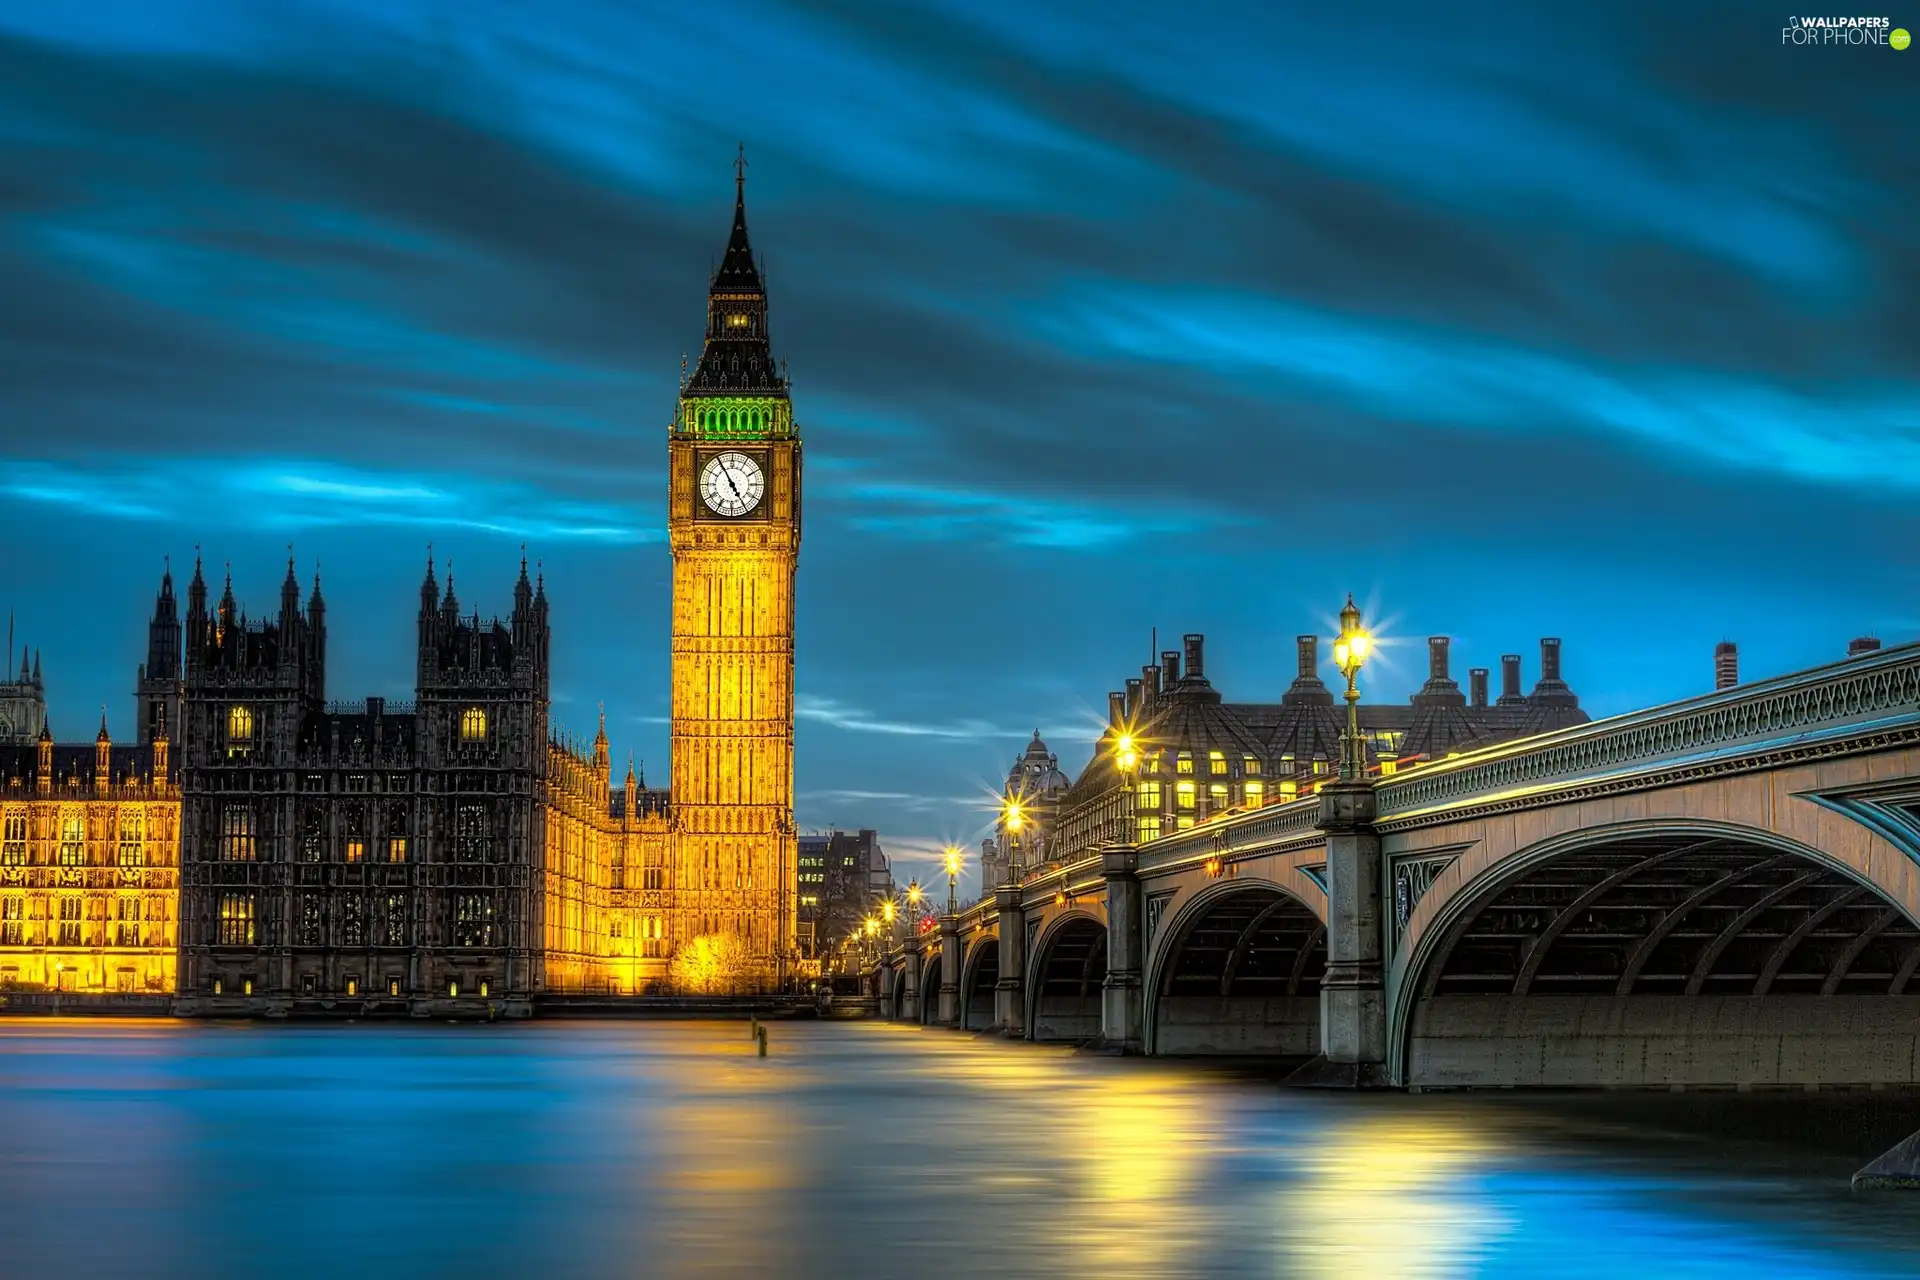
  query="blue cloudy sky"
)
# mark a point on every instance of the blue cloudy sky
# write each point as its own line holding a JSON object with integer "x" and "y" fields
{"x": 1594, "y": 321}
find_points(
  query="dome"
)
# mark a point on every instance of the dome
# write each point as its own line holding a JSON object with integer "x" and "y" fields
{"x": 1036, "y": 774}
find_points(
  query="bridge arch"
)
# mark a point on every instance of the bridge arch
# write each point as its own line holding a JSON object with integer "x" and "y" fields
{"x": 1067, "y": 970}
{"x": 930, "y": 988}
{"x": 896, "y": 991}
{"x": 1239, "y": 973}
{"x": 982, "y": 970}
{"x": 1656, "y": 954}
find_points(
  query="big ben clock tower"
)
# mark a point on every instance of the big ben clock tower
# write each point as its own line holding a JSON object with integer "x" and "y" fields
{"x": 733, "y": 523}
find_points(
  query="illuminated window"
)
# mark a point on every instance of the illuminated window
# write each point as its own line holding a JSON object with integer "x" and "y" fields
{"x": 1149, "y": 828}
{"x": 470, "y": 833}
{"x": 312, "y": 921}
{"x": 1250, "y": 766}
{"x": 218, "y": 986}
{"x": 236, "y": 920}
{"x": 1184, "y": 763}
{"x": 1183, "y": 795}
{"x": 1183, "y": 823}
{"x": 393, "y": 986}
{"x": 397, "y": 849}
{"x": 1286, "y": 764}
{"x": 353, "y": 921}
{"x": 736, "y": 321}
{"x": 1288, "y": 790}
{"x": 13, "y": 840}
{"x": 473, "y": 725}
{"x": 353, "y": 986}
{"x": 1319, "y": 764}
{"x": 239, "y": 726}
{"x": 1147, "y": 799}
{"x": 126, "y": 922}
{"x": 1217, "y": 796}
{"x": 453, "y": 989}
{"x": 73, "y": 840}
{"x": 132, "y": 850}
{"x": 236, "y": 833}
{"x": 473, "y": 920}
{"x": 12, "y": 915}
{"x": 1388, "y": 766}
{"x": 1256, "y": 793}
{"x": 395, "y": 920}
{"x": 1217, "y": 763}
{"x": 246, "y": 987}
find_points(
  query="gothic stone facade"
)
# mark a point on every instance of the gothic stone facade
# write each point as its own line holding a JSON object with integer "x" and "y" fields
{"x": 444, "y": 857}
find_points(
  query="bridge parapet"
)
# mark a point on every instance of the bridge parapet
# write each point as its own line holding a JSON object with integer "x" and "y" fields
{"x": 1804, "y": 711}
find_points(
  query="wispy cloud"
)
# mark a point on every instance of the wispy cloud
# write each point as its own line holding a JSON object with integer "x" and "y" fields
{"x": 852, "y": 719}
{"x": 295, "y": 495}
{"x": 1863, "y": 438}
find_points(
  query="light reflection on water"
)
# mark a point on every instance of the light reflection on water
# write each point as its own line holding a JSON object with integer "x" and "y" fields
{"x": 599, "y": 1149}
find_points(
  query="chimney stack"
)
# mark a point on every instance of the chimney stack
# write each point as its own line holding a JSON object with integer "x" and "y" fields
{"x": 1196, "y": 664}
{"x": 1149, "y": 689}
{"x": 1510, "y": 681}
{"x": 1549, "y": 660}
{"x": 1135, "y": 709}
{"x": 1726, "y": 665}
{"x": 1116, "y": 710}
{"x": 1169, "y": 670}
{"x": 1865, "y": 644}
{"x": 1437, "y": 657}
{"x": 1477, "y": 682}
{"x": 1308, "y": 649}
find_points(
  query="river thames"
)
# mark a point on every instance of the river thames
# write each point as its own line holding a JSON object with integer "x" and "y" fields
{"x": 668, "y": 1149}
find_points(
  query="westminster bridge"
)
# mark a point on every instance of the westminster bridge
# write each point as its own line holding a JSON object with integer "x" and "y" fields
{"x": 1721, "y": 891}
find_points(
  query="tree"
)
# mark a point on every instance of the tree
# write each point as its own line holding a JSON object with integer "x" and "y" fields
{"x": 716, "y": 965}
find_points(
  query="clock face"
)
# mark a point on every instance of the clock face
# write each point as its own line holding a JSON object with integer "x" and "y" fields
{"x": 731, "y": 484}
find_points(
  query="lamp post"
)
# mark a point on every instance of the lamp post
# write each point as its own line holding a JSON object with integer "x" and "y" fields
{"x": 953, "y": 881}
{"x": 887, "y": 912}
{"x": 914, "y": 896}
{"x": 1013, "y": 816}
{"x": 1126, "y": 757}
{"x": 1349, "y": 654}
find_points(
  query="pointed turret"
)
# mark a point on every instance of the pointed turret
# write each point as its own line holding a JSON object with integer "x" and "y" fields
{"x": 289, "y": 591}
{"x": 37, "y": 682}
{"x": 602, "y": 764}
{"x": 316, "y": 605}
{"x": 737, "y": 357}
{"x": 26, "y": 675}
{"x": 450, "y": 604}
{"x": 227, "y": 606}
{"x": 197, "y": 590}
{"x": 429, "y": 589}
{"x": 43, "y": 760}
{"x": 523, "y": 589}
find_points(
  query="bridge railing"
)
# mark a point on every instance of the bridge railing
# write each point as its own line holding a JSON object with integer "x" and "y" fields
{"x": 1847, "y": 695}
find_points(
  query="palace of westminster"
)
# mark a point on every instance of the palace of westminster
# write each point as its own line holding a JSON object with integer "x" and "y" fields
{"x": 261, "y": 850}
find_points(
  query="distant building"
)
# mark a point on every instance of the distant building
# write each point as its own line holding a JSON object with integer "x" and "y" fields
{"x": 89, "y": 848}
{"x": 1202, "y": 756}
{"x": 843, "y": 877}
{"x": 23, "y": 699}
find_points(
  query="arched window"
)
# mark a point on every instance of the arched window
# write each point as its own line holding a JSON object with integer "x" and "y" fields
{"x": 73, "y": 840}
{"x": 239, "y": 725}
{"x": 473, "y": 725}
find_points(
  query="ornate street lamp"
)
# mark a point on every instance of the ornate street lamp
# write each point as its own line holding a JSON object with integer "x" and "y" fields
{"x": 1126, "y": 758}
{"x": 887, "y": 912}
{"x": 1013, "y": 816}
{"x": 914, "y": 896}
{"x": 1349, "y": 653}
{"x": 953, "y": 880}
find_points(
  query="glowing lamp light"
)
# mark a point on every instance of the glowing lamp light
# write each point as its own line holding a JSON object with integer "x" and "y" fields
{"x": 1214, "y": 867}
{"x": 1351, "y": 648}
{"x": 886, "y": 909}
{"x": 1125, "y": 753}
{"x": 1015, "y": 814}
{"x": 953, "y": 862}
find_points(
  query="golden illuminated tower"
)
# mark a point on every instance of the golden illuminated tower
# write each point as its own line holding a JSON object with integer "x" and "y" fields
{"x": 733, "y": 522}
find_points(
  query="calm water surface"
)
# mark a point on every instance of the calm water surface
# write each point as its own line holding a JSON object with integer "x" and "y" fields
{"x": 855, "y": 1150}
